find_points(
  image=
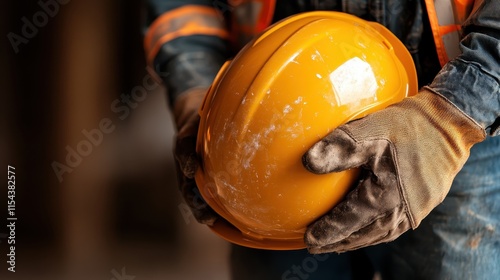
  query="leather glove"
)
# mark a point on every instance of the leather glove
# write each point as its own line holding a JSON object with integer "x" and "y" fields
{"x": 409, "y": 154}
{"x": 187, "y": 120}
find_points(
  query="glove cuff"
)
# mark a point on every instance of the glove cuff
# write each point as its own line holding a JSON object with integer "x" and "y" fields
{"x": 453, "y": 132}
{"x": 432, "y": 91}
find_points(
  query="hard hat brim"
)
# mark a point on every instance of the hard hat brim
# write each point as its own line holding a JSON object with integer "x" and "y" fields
{"x": 230, "y": 233}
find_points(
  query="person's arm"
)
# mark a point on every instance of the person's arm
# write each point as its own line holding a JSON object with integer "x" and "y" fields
{"x": 471, "y": 81}
{"x": 186, "y": 41}
{"x": 411, "y": 152}
{"x": 186, "y": 44}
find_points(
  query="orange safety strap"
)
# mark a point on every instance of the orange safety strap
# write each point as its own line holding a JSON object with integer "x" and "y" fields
{"x": 446, "y": 18}
{"x": 266, "y": 15}
{"x": 183, "y": 21}
{"x": 249, "y": 18}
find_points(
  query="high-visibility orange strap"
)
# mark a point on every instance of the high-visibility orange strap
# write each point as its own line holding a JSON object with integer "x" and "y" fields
{"x": 448, "y": 29}
{"x": 246, "y": 27}
{"x": 183, "y": 21}
{"x": 438, "y": 41}
{"x": 266, "y": 15}
{"x": 459, "y": 10}
{"x": 463, "y": 9}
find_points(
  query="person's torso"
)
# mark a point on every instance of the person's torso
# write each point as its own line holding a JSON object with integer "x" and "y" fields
{"x": 407, "y": 19}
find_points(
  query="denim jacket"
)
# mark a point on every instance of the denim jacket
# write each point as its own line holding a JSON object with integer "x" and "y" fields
{"x": 470, "y": 81}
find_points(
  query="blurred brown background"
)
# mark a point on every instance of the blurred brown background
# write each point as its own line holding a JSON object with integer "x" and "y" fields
{"x": 96, "y": 194}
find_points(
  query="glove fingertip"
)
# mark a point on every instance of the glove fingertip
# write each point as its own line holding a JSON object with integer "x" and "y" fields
{"x": 314, "y": 250}
{"x": 316, "y": 233}
{"x": 206, "y": 217}
{"x": 320, "y": 159}
{"x": 190, "y": 166}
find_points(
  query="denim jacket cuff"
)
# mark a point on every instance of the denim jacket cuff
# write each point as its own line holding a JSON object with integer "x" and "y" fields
{"x": 472, "y": 90}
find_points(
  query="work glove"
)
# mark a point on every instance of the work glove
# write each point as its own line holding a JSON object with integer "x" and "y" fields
{"x": 187, "y": 120}
{"x": 408, "y": 153}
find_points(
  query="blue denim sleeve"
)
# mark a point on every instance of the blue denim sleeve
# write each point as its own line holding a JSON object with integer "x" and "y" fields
{"x": 471, "y": 81}
{"x": 188, "y": 61}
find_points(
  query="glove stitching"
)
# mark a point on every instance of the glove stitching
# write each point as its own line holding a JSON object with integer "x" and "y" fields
{"x": 378, "y": 241}
{"x": 365, "y": 225}
{"x": 401, "y": 190}
{"x": 394, "y": 153}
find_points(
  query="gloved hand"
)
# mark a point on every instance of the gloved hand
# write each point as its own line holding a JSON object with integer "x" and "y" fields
{"x": 409, "y": 154}
{"x": 187, "y": 119}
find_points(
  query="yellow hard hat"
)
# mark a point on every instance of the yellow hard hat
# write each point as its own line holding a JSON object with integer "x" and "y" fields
{"x": 284, "y": 91}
